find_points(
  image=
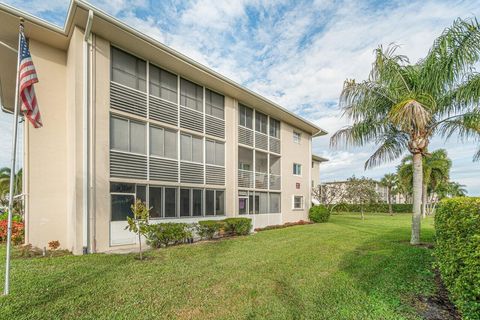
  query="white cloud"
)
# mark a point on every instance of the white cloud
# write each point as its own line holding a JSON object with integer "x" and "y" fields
{"x": 298, "y": 53}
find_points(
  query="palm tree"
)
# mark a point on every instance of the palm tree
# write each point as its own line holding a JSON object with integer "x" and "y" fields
{"x": 5, "y": 187}
{"x": 451, "y": 189}
{"x": 401, "y": 106}
{"x": 436, "y": 172}
{"x": 389, "y": 181}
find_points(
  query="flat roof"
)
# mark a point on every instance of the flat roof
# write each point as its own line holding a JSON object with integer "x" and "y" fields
{"x": 125, "y": 37}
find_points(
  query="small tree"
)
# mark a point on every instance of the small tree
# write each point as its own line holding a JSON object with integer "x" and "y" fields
{"x": 361, "y": 191}
{"x": 330, "y": 195}
{"x": 139, "y": 223}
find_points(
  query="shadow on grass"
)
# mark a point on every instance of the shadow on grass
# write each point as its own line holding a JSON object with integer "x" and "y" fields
{"x": 391, "y": 273}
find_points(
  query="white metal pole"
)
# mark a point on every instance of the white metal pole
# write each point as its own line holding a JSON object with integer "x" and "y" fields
{"x": 12, "y": 170}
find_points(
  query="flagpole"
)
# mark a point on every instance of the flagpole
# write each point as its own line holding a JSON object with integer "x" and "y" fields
{"x": 12, "y": 170}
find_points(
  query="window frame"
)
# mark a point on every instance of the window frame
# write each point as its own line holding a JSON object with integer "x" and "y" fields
{"x": 297, "y": 137}
{"x": 299, "y": 166}
{"x": 129, "y": 142}
{"x": 207, "y": 90}
{"x": 164, "y": 130}
{"x": 215, "y": 160}
{"x": 244, "y": 116}
{"x": 277, "y": 129}
{"x": 260, "y": 124}
{"x": 302, "y": 202}
{"x": 188, "y": 97}
{"x": 191, "y": 136}
{"x": 161, "y": 70}
{"x": 112, "y": 68}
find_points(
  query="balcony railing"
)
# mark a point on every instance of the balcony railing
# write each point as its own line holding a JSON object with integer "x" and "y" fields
{"x": 275, "y": 182}
{"x": 261, "y": 180}
{"x": 245, "y": 178}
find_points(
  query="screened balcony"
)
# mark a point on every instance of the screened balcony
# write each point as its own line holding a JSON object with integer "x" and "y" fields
{"x": 275, "y": 178}
{"x": 245, "y": 167}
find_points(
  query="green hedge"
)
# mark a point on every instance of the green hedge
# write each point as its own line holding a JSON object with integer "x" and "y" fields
{"x": 457, "y": 249}
{"x": 209, "y": 229}
{"x": 319, "y": 214}
{"x": 237, "y": 226}
{"x": 374, "y": 207}
{"x": 165, "y": 234}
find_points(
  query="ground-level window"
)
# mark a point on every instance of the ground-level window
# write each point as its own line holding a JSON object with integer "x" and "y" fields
{"x": 298, "y": 202}
{"x": 166, "y": 202}
{"x": 122, "y": 197}
{"x": 255, "y": 202}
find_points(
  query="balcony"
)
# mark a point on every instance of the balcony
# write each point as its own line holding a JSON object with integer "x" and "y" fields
{"x": 245, "y": 178}
{"x": 275, "y": 182}
{"x": 261, "y": 180}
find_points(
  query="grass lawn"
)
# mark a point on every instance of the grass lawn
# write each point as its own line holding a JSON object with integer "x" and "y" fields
{"x": 344, "y": 269}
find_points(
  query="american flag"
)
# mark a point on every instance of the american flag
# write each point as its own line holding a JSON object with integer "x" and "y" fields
{"x": 27, "y": 77}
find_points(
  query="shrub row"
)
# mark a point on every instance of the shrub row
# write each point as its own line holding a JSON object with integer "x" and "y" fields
{"x": 319, "y": 214}
{"x": 374, "y": 207}
{"x": 165, "y": 234}
{"x": 457, "y": 251}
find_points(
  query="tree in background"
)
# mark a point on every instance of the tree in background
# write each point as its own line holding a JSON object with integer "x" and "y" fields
{"x": 5, "y": 188}
{"x": 390, "y": 181}
{"x": 436, "y": 171}
{"x": 451, "y": 189}
{"x": 361, "y": 191}
{"x": 330, "y": 195}
{"x": 401, "y": 105}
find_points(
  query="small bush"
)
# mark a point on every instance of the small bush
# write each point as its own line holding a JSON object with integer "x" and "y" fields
{"x": 208, "y": 229}
{"x": 15, "y": 217}
{"x": 237, "y": 226}
{"x": 18, "y": 232}
{"x": 165, "y": 234}
{"x": 457, "y": 249}
{"x": 374, "y": 207}
{"x": 319, "y": 214}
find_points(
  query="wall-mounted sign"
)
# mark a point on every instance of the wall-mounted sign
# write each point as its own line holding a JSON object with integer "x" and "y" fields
{"x": 298, "y": 185}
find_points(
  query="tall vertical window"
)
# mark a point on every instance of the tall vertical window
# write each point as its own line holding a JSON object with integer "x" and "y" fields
{"x": 215, "y": 152}
{"x": 191, "y": 95}
{"x": 127, "y": 135}
{"x": 297, "y": 169}
{"x": 214, "y": 104}
{"x": 170, "y": 202}
{"x": 274, "y": 205}
{"x": 191, "y": 148}
{"x": 163, "y": 84}
{"x": 298, "y": 202}
{"x": 128, "y": 70}
{"x": 274, "y": 128}
{"x": 184, "y": 202}
{"x": 297, "y": 136}
{"x": 197, "y": 202}
{"x": 245, "y": 116}
{"x": 163, "y": 142}
{"x": 155, "y": 202}
{"x": 261, "y": 122}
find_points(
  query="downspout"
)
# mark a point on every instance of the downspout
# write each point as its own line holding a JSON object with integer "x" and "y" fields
{"x": 86, "y": 98}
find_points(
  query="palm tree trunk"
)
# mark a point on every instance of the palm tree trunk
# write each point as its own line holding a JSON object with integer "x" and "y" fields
{"x": 417, "y": 198}
{"x": 390, "y": 209}
{"x": 424, "y": 201}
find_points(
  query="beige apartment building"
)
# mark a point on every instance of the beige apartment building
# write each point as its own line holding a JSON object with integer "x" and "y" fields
{"x": 127, "y": 117}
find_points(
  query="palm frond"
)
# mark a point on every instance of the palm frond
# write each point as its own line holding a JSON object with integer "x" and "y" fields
{"x": 392, "y": 145}
{"x": 410, "y": 115}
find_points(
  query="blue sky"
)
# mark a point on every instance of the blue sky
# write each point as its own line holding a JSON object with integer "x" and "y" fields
{"x": 297, "y": 53}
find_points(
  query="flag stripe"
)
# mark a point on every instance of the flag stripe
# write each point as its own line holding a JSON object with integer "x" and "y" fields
{"x": 27, "y": 78}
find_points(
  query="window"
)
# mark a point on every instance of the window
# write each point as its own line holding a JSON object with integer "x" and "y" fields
{"x": 245, "y": 116}
{"x": 128, "y": 70}
{"x": 163, "y": 84}
{"x": 296, "y": 137}
{"x": 170, "y": 202}
{"x": 297, "y": 169}
{"x": 215, "y": 152}
{"x": 191, "y": 148}
{"x": 262, "y": 206}
{"x": 184, "y": 202}
{"x": 191, "y": 95}
{"x": 197, "y": 201}
{"x": 214, "y": 104}
{"x": 127, "y": 135}
{"x": 214, "y": 202}
{"x": 155, "y": 202}
{"x": 163, "y": 142}
{"x": 123, "y": 196}
{"x": 274, "y": 128}
{"x": 261, "y": 121}
{"x": 274, "y": 205}
{"x": 297, "y": 202}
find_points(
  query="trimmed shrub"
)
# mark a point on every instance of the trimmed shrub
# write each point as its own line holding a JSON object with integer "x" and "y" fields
{"x": 319, "y": 214}
{"x": 165, "y": 234}
{"x": 237, "y": 226}
{"x": 18, "y": 231}
{"x": 374, "y": 207}
{"x": 208, "y": 229}
{"x": 457, "y": 249}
